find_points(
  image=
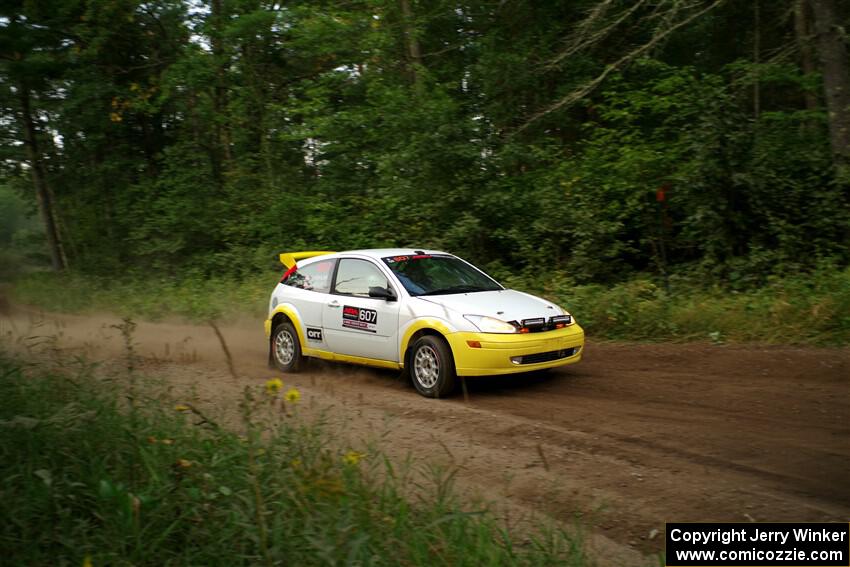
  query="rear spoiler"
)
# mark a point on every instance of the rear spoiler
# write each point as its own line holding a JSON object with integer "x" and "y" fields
{"x": 289, "y": 259}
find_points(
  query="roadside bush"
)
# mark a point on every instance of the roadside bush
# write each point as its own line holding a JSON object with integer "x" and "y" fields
{"x": 193, "y": 296}
{"x": 802, "y": 308}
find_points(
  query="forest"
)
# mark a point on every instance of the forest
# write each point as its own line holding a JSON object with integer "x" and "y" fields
{"x": 667, "y": 170}
{"x": 589, "y": 141}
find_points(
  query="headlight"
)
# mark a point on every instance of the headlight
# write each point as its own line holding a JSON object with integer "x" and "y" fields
{"x": 490, "y": 324}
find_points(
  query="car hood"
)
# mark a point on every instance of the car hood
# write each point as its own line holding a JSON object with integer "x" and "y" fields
{"x": 505, "y": 304}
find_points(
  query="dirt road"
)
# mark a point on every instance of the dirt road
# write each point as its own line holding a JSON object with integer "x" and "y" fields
{"x": 633, "y": 436}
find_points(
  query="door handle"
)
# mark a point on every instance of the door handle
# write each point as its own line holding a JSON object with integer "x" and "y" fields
{"x": 333, "y": 303}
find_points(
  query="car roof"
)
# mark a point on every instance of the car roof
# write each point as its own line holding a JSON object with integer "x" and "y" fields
{"x": 377, "y": 253}
{"x": 384, "y": 252}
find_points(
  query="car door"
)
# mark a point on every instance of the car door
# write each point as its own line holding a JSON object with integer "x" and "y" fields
{"x": 358, "y": 325}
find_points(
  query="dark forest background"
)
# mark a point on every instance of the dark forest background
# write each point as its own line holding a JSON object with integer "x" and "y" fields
{"x": 595, "y": 138}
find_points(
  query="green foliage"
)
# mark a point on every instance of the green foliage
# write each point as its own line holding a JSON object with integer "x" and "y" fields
{"x": 193, "y": 296}
{"x": 86, "y": 476}
{"x": 805, "y": 308}
{"x": 183, "y": 141}
{"x": 802, "y": 309}
{"x": 21, "y": 236}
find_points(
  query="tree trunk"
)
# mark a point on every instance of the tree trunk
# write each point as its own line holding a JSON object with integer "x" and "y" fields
{"x": 222, "y": 132}
{"x": 836, "y": 79}
{"x": 757, "y": 59}
{"x": 802, "y": 33}
{"x": 43, "y": 194}
{"x": 414, "y": 52}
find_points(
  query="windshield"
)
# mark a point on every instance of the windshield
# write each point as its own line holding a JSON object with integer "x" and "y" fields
{"x": 426, "y": 274}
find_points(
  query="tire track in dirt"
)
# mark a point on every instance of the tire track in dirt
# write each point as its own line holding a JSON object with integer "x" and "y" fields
{"x": 633, "y": 436}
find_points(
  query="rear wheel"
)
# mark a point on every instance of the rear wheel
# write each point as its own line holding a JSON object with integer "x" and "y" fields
{"x": 432, "y": 367}
{"x": 286, "y": 349}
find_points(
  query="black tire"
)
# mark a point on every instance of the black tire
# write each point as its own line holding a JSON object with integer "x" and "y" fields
{"x": 431, "y": 367}
{"x": 285, "y": 348}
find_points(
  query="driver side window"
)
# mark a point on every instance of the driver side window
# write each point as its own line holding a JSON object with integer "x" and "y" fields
{"x": 355, "y": 277}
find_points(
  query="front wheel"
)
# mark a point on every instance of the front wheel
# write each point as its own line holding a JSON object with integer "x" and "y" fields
{"x": 432, "y": 367}
{"x": 286, "y": 349}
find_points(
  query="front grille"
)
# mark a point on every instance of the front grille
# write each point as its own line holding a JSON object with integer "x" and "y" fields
{"x": 545, "y": 356}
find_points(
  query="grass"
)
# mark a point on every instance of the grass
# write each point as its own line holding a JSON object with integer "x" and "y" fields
{"x": 809, "y": 308}
{"x": 110, "y": 472}
{"x": 804, "y": 309}
{"x": 193, "y": 297}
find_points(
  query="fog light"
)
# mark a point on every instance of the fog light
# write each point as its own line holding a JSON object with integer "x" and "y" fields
{"x": 561, "y": 320}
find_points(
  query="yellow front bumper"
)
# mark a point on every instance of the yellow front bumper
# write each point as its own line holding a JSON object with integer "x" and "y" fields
{"x": 494, "y": 356}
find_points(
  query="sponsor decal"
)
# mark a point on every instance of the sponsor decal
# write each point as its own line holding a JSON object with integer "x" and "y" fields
{"x": 395, "y": 259}
{"x": 360, "y": 319}
{"x": 314, "y": 334}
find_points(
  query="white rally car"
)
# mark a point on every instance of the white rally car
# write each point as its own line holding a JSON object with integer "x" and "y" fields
{"x": 428, "y": 313}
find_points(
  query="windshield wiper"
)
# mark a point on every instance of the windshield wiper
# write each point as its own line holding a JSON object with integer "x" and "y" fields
{"x": 455, "y": 289}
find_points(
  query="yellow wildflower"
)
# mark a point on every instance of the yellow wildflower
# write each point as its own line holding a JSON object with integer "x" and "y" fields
{"x": 295, "y": 463}
{"x": 273, "y": 386}
{"x": 181, "y": 407}
{"x": 352, "y": 457}
{"x": 87, "y": 561}
{"x": 115, "y": 117}
{"x": 292, "y": 395}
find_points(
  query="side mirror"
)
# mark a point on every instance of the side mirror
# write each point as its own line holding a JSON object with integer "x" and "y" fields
{"x": 382, "y": 293}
